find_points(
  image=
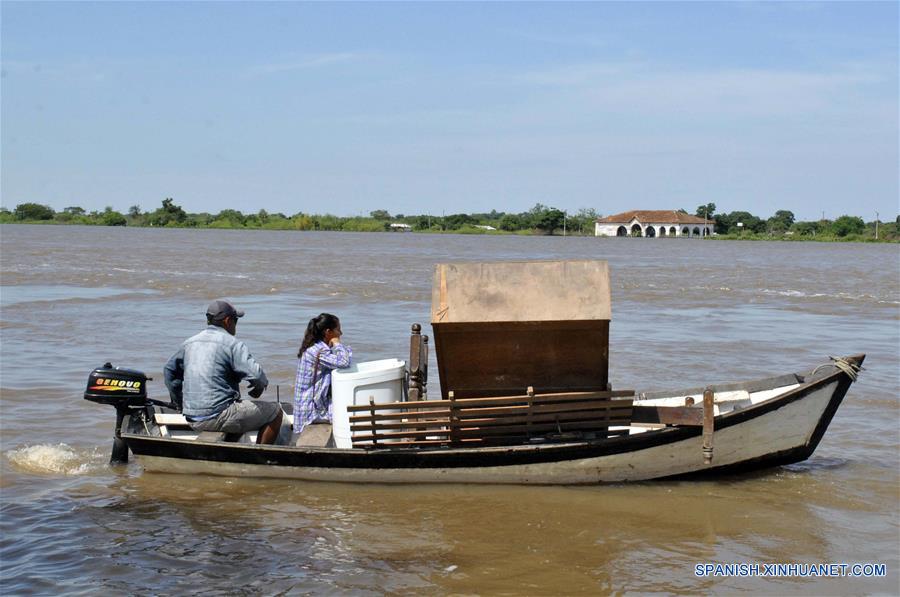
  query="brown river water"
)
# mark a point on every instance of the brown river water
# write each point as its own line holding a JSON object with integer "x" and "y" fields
{"x": 685, "y": 313}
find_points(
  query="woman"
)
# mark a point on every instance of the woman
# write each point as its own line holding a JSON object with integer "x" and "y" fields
{"x": 320, "y": 352}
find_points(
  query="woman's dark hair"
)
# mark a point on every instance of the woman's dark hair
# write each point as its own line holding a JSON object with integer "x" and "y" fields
{"x": 315, "y": 330}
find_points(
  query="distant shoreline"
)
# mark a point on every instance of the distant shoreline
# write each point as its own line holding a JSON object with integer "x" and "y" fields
{"x": 540, "y": 220}
{"x": 481, "y": 232}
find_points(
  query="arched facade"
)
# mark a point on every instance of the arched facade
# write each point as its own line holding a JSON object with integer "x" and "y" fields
{"x": 652, "y": 224}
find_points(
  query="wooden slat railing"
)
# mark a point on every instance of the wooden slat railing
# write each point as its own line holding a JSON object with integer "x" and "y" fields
{"x": 489, "y": 420}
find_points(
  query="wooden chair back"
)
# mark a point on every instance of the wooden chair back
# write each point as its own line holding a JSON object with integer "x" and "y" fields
{"x": 500, "y": 420}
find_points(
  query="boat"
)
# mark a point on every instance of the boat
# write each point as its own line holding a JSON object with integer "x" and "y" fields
{"x": 567, "y": 426}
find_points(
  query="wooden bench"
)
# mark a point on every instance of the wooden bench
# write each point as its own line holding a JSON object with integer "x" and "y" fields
{"x": 168, "y": 422}
{"x": 491, "y": 420}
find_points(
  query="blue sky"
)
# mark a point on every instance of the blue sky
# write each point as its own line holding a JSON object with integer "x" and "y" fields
{"x": 452, "y": 107}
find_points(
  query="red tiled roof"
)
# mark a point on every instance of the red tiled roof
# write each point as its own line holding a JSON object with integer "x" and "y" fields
{"x": 662, "y": 216}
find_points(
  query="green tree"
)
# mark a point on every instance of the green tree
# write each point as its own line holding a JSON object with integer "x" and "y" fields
{"x": 806, "y": 228}
{"x": 380, "y": 214}
{"x": 584, "y": 220}
{"x": 70, "y": 214}
{"x": 706, "y": 211}
{"x": 135, "y": 216}
{"x": 198, "y": 220}
{"x": 301, "y": 221}
{"x": 781, "y": 221}
{"x": 457, "y": 221}
{"x": 33, "y": 211}
{"x": 230, "y": 218}
{"x": 550, "y": 220}
{"x": 331, "y": 222}
{"x": 845, "y": 225}
{"x": 533, "y": 215}
{"x": 510, "y": 222}
{"x": 110, "y": 217}
{"x": 169, "y": 214}
{"x": 364, "y": 225}
{"x": 277, "y": 221}
{"x": 728, "y": 223}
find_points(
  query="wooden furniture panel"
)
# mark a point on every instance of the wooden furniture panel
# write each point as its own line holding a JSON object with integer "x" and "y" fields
{"x": 498, "y": 358}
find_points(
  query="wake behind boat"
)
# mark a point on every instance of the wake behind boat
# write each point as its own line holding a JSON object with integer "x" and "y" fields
{"x": 522, "y": 352}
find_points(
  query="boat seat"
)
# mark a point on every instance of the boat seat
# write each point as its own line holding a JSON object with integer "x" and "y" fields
{"x": 218, "y": 436}
{"x": 169, "y": 422}
{"x": 317, "y": 435}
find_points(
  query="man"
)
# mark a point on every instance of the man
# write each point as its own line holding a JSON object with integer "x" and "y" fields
{"x": 204, "y": 377}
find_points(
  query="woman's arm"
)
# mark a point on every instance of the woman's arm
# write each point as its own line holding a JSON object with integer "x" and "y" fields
{"x": 301, "y": 381}
{"x": 336, "y": 357}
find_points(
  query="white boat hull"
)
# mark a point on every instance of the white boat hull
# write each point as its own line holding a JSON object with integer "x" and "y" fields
{"x": 780, "y": 429}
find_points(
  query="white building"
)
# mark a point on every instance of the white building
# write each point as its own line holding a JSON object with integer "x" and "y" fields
{"x": 652, "y": 224}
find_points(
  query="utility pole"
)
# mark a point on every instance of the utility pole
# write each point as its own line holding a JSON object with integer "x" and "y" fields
{"x": 876, "y": 225}
{"x": 565, "y": 214}
{"x": 705, "y": 218}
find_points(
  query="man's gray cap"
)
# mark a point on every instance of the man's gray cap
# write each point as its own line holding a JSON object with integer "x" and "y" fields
{"x": 219, "y": 309}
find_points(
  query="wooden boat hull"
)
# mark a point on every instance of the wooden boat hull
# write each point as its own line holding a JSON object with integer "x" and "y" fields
{"x": 780, "y": 430}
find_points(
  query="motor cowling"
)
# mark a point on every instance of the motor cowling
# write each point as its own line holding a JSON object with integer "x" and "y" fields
{"x": 119, "y": 387}
{"x": 125, "y": 389}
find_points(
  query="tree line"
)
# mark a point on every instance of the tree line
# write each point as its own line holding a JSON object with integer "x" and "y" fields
{"x": 540, "y": 219}
{"x": 782, "y": 224}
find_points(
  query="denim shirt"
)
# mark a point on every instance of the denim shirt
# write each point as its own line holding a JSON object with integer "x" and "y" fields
{"x": 204, "y": 375}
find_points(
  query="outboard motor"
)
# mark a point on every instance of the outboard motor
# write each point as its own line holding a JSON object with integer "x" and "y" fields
{"x": 126, "y": 389}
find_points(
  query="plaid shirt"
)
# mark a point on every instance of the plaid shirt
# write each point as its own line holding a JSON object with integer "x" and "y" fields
{"x": 312, "y": 402}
